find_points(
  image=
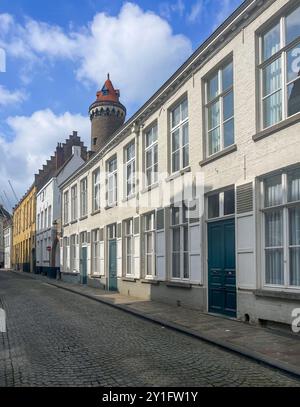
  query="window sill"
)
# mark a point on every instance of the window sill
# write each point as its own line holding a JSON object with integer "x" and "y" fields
{"x": 149, "y": 281}
{"x": 95, "y": 277}
{"x": 129, "y": 198}
{"x": 96, "y": 212}
{"x": 220, "y": 154}
{"x": 277, "y": 127}
{"x": 129, "y": 279}
{"x": 73, "y": 222}
{"x": 83, "y": 217}
{"x": 66, "y": 225}
{"x": 69, "y": 273}
{"x": 150, "y": 187}
{"x": 110, "y": 206}
{"x": 278, "y": 294}
{"x": 178, "y": 174}
{"x": 178, "y": 284}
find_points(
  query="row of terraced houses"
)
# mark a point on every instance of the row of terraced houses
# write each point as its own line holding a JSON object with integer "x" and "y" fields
{"x": 195, "y": 200}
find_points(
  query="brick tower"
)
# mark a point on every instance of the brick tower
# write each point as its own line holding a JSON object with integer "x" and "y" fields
{"x": 107, "y": 114}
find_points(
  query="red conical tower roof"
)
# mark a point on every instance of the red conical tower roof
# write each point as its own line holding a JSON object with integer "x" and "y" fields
{"x": 108, "y": 93}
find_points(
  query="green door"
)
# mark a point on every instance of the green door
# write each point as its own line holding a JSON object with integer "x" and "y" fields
{"x": 222, "y": 268}
{"x": 83, "y": 266}
{"x": 112, "y": 279}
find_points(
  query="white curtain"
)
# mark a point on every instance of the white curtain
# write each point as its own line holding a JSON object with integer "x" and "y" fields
{"x": 295, "y": 246}
{"x": 274, "y": 248}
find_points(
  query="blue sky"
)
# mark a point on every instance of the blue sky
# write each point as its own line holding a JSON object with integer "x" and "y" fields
{"x": 57, "y": 57}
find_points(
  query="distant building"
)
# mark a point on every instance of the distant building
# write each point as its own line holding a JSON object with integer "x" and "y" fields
{"x": 4, "y": 218}
{"x": 48, "y": 213}
{"x": 8, "y": 239}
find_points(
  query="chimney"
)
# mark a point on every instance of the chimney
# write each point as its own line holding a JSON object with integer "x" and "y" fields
{"x": 59, "y": 155}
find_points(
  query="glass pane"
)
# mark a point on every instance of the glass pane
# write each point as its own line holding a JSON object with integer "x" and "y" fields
{"x": 149, "y": 247}
{"x": 293, "y": 65}
{"x": 229, "y": 133}
{"x": 272, "y": 108}
{"x": 184, "y": 110}
{"x": 295, "y": 266}
{"x": 175, "y": 216}
{"x": 274, "y": 267}
{"x": 176, "y": 265}
{"x": 185, "y": 153}
{"x": 227, "y": 76}
{"x": 176, "y": 240}
{"x": 272, "y": 77}
{"x": 175, "y": 140}
{"x": 213, "y": 206}
{"x": 294, "y": 186}
{"x": 149, "y": 176}
{"x": 294, "y": 220}
{"x": 149, "y": 158}
{"x": 228, "y": 106}
{"x": 274, "y": 229}
{"x": 176, "y": 161}
{"x": 186, "y": 270}
{"x": 271, "y": 42}
{"x": 156, "y": 154}
{"x": 186, "y": 239}
{"x": 185, "y": 134}
{"x": 214, "y": 115}
{"x": 293, "y": 25}
{"x": 294, "y": 98}
{"x": 273, "y": 191}
{"x": 176, "y": 116}
{"x": 229, "y": 202}
{"x": 213, "y": 87}
{"x": 149, "y": 265}
{"x": 214, "y": 141}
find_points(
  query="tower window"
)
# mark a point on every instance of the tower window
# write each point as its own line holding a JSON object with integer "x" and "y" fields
{"x": 95, "y": 141}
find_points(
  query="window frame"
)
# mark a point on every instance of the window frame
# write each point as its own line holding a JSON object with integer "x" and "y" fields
{"x": 129, "y": 256}
{"x": 95, "y": 249}
{"x": 114, "y": 175}
{"x": 219, "y": 98}
{"x": 74, "y": 203}
{"x": 130, "y": 163}
{"x": 182, "y": 225}
{"x": 83, "y": 197}
{"x": 151, "y": 148}
{"x": 66, "y": 207}
{"x": 96, "y": 190}
{"x": 73, "y": 247}
{"x": 281, "y": 55}
{"x": 179, "y": 127}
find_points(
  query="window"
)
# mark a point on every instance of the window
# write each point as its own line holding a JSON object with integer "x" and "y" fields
{"x": 149, "y": 241}
{"x": 129, "y": 246}
{"x": 221, "y": 204}
{"x": 46, "y": 218}
{"x": 112, "y": 182}
{"x": 74, "y": 204}
{"x": 180, "y": 243}
{"x": 83, "y": 197}
{"x": 66, "y": 207}
{"x": 130, "y": 169}
{"x": 96, "y": 252}
{"x": 220, "y": 109}
{"x": 49, "y": 217}
{"x": 38, "y": 221}
{"x": 73, "y": 253}
{"x": 180, "y": 137}
{"x": 65, "y": 253}
{"x": 96, "y": 190}
{"x": 281, "y": 209}
{"x": 151, "y": 156}
{"x": 112, "y": 232}
{"x": 280, "y": 70}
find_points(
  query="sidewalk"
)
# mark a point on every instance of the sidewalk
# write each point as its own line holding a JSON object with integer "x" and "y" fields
{"x": 276, "y": 349}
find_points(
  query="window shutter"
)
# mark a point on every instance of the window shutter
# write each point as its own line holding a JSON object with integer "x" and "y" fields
{"x": 119, "y": 251}
{"x": 102, "y": 270}
{"x": 244, "y": 198}
{"x": 160, "y": 245}
{"x": 137, "y": 248}
{"x": 195, "y": 253}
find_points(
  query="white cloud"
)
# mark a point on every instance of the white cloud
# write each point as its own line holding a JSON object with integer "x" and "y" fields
{"x": 35, "y": 140}
{"x": 11, "y": 97}
{"x": 137, "y": 47}
{"x": 167, "y": 9}
{"x": 196, "y": 11}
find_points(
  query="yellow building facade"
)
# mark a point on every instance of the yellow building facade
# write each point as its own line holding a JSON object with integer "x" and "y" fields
{"x": 24, "y": 228}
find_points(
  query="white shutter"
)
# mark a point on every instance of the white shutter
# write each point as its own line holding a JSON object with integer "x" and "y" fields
{"x": 137, "y": 249}
{"x": 89, "y": 263}
{"x": 119, "y": 251}
{"x": 160, "y": 245}
{"x": 68, "y": 259}
{"x": 195, "y": 253}
{"x": 77, "y": 258}
{"x": 102, "y": 271}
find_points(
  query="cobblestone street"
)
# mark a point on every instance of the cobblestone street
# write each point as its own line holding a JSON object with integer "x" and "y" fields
{"x": 57, "y": 338}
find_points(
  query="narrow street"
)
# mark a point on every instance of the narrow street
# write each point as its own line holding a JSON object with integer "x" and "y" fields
{"x": 57, "y": 338}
